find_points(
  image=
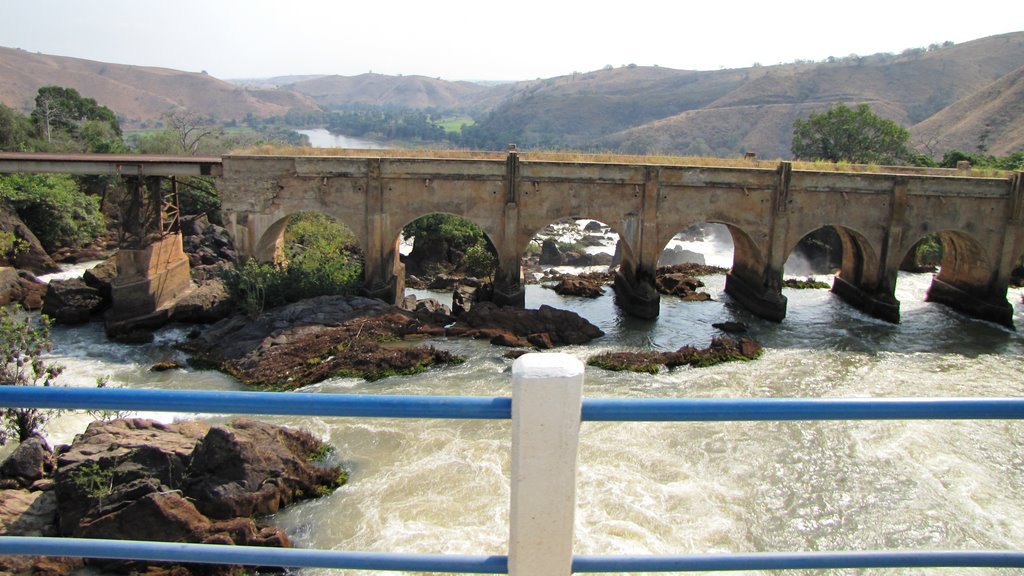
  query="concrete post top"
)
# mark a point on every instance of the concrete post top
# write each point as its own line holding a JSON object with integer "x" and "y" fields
{"x": 537, "y": 365}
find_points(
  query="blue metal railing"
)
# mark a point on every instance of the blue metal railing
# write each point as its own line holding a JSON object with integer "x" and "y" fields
{"x": 658, "y": 410}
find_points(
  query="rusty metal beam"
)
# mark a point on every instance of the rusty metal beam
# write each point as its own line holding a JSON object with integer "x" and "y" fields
{"x": 110, "y": 164}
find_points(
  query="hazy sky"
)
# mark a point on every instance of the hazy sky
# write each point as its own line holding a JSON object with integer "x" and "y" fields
{"x": 483, "y": 39}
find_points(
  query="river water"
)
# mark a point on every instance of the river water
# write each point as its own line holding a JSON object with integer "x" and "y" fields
{"x": 673, "y": 488}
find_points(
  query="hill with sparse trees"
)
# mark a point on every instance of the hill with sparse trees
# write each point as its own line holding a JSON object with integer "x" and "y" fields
{"x": 967, "y": 96}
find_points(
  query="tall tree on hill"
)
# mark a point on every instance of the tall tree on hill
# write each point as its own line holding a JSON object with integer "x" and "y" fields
{"x": 844, "y": 134}
{"x": 82, "y": 121}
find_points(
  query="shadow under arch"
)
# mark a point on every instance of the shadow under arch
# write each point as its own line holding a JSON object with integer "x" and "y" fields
{"x": 859, "y": 281}
{"x": 270, "y": 247}
{"x": 968, "y": 278}
{"x": 443, "y": 242}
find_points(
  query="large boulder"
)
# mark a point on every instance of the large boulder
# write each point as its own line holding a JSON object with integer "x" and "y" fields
{"x": 71, "y": 301}
{"x": 204, "y": 304}
{"x": 101, "y": 277}
{"x": 136, "y": 479}
{"x": 30, "y": 462}
{"x": 33, "y": 258}
{"x": 250, "y": 468}
{"x": 562, "y": 327}
{"x": 682, "y": 285}
{"x": 586, "y": 286}
{"x": 550, "y": 255}
{"x": 21, "y": 287}
{"x": 205, "y": 243}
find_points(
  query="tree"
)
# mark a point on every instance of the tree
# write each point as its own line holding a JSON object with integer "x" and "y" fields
{"x": 63, "y": 114}
{"x": 22, "y": 345}
{"x": 54, "y": 208}
{"x": 15, "y": 129}
{"x": 856, "y": 135}
{"x": 189, "y": 130}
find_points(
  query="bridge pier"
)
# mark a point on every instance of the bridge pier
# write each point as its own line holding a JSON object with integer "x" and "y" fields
{"x": 635, "y": 293}
{"x": 759, "y": 299}
{"x": 878, "y": 305}
{"x": 966, "y": 300}
{"x": 148, "y": 280}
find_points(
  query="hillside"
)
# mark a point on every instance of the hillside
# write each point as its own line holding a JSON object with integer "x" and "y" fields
{"x": 731, "y": 111}
{"x": 136, "y": 93}
{"x": 992, "y": 115}
{"x": 953, "y": 96}
{"x": 381, "y": 90}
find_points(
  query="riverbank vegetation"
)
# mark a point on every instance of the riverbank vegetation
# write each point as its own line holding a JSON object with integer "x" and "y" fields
{"x": 320, "y": 258}
{"x": 24, "y": 343}
{"x": 721, "y": 349}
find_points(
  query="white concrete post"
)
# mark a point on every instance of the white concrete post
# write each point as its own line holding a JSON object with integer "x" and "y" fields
{"x": 547, "y": 392}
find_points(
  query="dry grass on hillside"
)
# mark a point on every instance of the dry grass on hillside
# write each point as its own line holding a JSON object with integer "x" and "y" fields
{"x": 607, "y": 158}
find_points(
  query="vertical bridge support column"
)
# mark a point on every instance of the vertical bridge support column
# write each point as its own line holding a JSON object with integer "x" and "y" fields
{"x": 508, "y": 280}
{"x": 634, "y": 281}
{"x": 547, "y": 392}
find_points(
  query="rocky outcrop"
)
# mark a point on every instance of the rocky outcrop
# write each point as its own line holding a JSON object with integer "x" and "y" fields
{"x": 32, "y": 258}
{"x": 319, "y": 338}
{"x": 547, "y": 324}
{"x": 204, "y": 304}
{"x": 134, "y": 479}
{"x": 21, "y": 287}
{"x": 721, "y": 350}
{"x": 583, "y": 285}
{"x": 678, "y": 255}
{"x": 71, "y": 301}
{"x": 681, "y": 285}
{"x": 206, "y": 244}
{"x": 805, "y": 284}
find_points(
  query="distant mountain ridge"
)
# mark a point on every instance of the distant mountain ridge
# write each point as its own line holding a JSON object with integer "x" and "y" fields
{"x": 138, "y": 94}
{"x": 962, "y": 96}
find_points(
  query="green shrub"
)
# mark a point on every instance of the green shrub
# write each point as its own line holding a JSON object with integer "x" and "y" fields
{"x": 321, "y": 259}
{"x": 53, "y": 207}
{"x": 23, "y": 343}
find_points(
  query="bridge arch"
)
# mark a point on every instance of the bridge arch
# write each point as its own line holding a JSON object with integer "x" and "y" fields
{"x": 968, "y": 278}
{"x": 623, "y": 249}
{"x": 745, "y": 252}
{"x": 859, "y": 260}
{"x": 398, "y": 235}
{"x": 269, "y": 246}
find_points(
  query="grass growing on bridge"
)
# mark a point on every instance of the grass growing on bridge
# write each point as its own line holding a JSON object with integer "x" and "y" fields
{"x": 609, "y": 158}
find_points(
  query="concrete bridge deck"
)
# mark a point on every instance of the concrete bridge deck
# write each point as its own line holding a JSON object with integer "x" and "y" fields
{"x": 768, "y": 208}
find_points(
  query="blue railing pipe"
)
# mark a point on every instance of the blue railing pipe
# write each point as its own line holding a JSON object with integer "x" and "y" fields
{"x": 496, "y": 564}
{"x": 276, "y": 403}
{"x": 791, "y": 409}
{"x": 250, "y": 555}
{"x": 497, "y": 408}
{"x": 800, "y": 561}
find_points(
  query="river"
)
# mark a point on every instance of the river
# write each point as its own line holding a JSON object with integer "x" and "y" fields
{"x": 442, "y": 486}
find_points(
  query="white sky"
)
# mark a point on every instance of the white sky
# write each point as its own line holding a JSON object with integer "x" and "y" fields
{"x": 483, "y": 39}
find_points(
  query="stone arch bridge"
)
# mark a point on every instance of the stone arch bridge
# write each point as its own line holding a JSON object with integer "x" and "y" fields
{"x": 879, "y": 217}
